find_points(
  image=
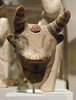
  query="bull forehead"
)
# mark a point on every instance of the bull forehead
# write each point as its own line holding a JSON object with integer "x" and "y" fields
{"x": 29, "y": 33}
{"x": 37, "y": 39}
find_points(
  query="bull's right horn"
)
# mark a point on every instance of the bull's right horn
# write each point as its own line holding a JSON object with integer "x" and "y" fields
{"x": 19, "y": 20}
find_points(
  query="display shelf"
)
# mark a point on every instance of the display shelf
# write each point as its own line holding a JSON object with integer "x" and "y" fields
{"x": 11, "y": 94}
{"x": 59, "y": 94}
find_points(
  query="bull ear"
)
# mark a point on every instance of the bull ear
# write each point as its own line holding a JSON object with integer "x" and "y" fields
{"x": 19, "y": 20}
{"x": 60, "y": 38}
{"x": 11, "y": 39}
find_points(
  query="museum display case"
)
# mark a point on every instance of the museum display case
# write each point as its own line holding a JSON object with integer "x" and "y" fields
{"x": 37, "y": 52}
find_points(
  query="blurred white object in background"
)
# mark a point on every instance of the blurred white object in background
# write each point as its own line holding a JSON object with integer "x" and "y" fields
{"x": 4, "y": 51}
{"x": 13, "y": 2}
{"x": 71, "y": 5}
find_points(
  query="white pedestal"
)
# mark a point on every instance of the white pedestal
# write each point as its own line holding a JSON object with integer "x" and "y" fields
{"x": 60, "y": 84}
{"x": 4, "y": 91}
{"x": 57, "y": 95}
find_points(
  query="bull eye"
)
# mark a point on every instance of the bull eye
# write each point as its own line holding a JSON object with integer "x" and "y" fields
{"x": 48, "y": 44}
{"x": 35, "y": 28}
{"x": 21, "y": 41}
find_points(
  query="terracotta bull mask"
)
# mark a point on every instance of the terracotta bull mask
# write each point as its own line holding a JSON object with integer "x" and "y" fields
{"x": 35, "y": 45}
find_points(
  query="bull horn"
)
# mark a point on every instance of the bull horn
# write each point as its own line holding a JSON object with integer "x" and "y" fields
{"x": 19, "y": 20}
{"x": 56, "y": 26}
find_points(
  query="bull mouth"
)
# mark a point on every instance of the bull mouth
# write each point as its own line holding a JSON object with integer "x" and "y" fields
{"x": 34, "y": 70}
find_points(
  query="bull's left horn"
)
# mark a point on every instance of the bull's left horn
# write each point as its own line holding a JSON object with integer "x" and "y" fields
{"x": 56, "y": 26}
